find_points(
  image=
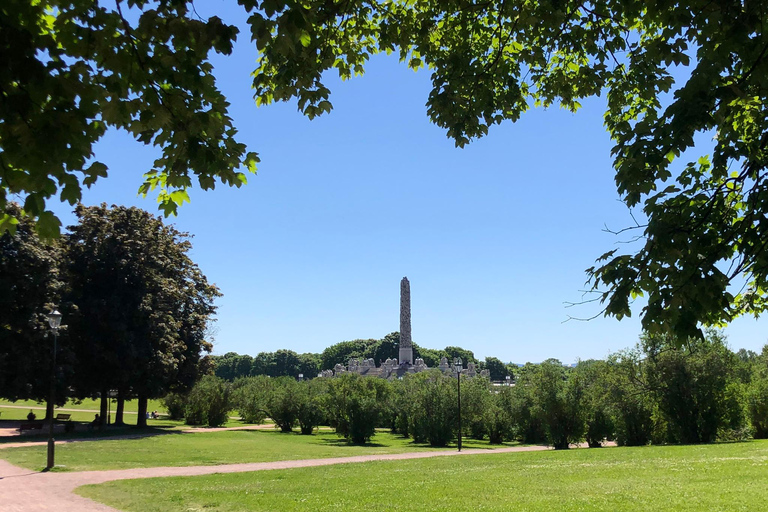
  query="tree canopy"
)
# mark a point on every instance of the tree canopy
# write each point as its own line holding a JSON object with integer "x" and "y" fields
{"x": 142, "y": 305}
{"x": 72, "y": 69}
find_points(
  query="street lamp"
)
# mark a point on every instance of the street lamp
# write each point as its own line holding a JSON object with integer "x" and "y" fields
{"x": 508, "y": 379}
{"x": 54, "y": 321}
{"x": 301, "y": 377}
{"x": 457, "y": 364}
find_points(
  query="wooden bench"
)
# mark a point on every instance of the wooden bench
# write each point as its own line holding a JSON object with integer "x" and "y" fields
{"x": 61, "y": 417}
{"x": 30, "y": 426}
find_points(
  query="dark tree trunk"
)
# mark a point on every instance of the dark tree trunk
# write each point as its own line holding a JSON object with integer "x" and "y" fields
{"x": 49, "y": 410}
{"x": 104, "y": 408}
{"x": 142, "y": 420}
{"x": 120, "y": 407}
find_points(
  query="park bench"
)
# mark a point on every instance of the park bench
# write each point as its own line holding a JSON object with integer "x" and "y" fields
{"x": 64, "y": 419}
{"x": 30, "y": 426}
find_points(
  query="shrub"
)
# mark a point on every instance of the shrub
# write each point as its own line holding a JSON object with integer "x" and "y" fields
{"x": 208, "y": 402}
{"x": 353, "y": 405}
{"x": 690, "y": 386}
{"x": 757, "y": 405}
{"x": 557, "y": 403}
{"x": 310, "y": 396}
{"x": 497, "y": 417}
{"x": 249, "y": 397}
{"x": 433, "y": 409}
{"x": 282, "y": 403}
{"x": 175, "y": 403}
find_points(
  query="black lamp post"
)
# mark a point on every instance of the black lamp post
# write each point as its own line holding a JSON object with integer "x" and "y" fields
{"x": 457, "y": 364}
{"x": 54, "y": 320}
{"x": 301, "y": 377}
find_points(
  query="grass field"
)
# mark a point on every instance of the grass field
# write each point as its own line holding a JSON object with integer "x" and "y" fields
{"x": 208, "y": 449}
{"x": 723, "y": 477}
{"x": 131, "y": 406}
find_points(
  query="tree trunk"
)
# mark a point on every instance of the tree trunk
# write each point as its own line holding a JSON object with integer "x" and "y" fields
{"x": 142, "y": 420}
{"x": 103, "y": 408}
{"x": 49, "y": 410}
{"x": 120, "y": 407}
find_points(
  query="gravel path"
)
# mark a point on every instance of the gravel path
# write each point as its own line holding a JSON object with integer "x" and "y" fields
{"x": 22, "y": 490}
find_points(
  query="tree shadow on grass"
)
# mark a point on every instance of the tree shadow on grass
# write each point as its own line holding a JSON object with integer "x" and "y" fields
{"x": 83, "y": 433}
{"x": 318, "y": 438}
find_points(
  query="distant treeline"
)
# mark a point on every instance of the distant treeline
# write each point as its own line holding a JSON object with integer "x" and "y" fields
{"x": 281, "y": 363}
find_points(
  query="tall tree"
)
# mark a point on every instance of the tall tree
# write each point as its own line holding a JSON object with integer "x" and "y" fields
{"x": 497, "y": 369}
{"x": 30, "y": 286}
{"x": 142, "y": 304}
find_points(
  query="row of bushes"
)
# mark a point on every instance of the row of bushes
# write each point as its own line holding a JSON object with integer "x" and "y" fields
{"x": 654, "y": 393}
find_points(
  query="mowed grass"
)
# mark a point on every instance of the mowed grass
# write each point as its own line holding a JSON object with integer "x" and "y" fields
{"x": 208, "y": 448}
{"x": 723, "y": 477}
{"x": 131, "y": 407}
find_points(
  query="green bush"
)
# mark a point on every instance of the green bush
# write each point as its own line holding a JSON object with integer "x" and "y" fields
{"x": 310, "y": 396}
{"x": 249, "y": 398}
{"x": 433, "y": 407}
{"x": 175, "y": 404}
{"x": 757, "y": 405}
{"x": 353, "y": 405}
{"x": 282, "y": 402}
{"x": 497, "y": 417}
{"x": 557, "y": 403}
{"x": 592, "y": 378}
{"x": 208, "y": 402}
{"x": 690, "y": 386}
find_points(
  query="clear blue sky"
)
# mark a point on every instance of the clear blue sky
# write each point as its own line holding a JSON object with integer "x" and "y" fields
{"x": 494, "y": 238}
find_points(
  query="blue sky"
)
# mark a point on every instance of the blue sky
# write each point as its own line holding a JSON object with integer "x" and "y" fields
{"x": 494, "y": 238}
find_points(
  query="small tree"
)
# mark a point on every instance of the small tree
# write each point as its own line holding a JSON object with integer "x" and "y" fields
{"x": 497, "y": 416}
{"x": 757, "y": 397}
{"x": 175, "y": 404}
{"x": 590, "y": 377}
{"x": 557, "y": 402}
{"x": 208, "y": 402}
{"x": 433, "y": 407}
{"x": 528, "y": 427}
{"x": 689, "y": 385}
{"x": 249, "y": 398}
{"x": 629, "y": 403}
{"x": 282, "y": 403}
{"x": 310, "y": 397}
{"x": 353, "y": 405}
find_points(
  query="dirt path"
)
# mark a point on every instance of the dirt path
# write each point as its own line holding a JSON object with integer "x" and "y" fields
{"x": 22, "y": 490}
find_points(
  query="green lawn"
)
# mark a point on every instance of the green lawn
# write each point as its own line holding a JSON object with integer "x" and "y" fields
{"x": 178, "y": 449}
{"x": 724, "y": 477}
{"x": 131, "y": 407}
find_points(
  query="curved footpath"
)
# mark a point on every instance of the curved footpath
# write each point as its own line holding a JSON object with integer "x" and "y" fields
{"x": 22, "y": 490}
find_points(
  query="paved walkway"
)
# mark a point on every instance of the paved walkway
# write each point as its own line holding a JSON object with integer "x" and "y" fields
{"x": 22, "y": 490}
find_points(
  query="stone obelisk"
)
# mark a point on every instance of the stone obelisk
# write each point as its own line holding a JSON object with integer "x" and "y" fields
{"x": 406, "y": 347}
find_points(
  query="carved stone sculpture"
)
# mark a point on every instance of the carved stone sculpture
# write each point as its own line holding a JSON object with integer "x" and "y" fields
{"x": 406, "y": 346}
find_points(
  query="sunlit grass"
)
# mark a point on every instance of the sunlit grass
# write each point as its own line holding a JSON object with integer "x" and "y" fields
{"x": 725, "y": 477}
{"x": 178, "y": 449}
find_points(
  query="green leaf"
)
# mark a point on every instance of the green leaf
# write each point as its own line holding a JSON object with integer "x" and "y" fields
{"x": 8, "y": 224}
{"x": 48, "y": 225}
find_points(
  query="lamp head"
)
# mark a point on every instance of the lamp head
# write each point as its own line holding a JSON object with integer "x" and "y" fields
{"x": 54, "y": 319}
